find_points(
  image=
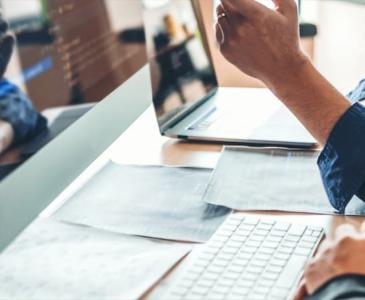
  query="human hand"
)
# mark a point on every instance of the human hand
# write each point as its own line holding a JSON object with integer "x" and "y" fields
{"x": 262, "y": 42}
{"x": 343, "y": 255}
{"x": 6, "y": 46}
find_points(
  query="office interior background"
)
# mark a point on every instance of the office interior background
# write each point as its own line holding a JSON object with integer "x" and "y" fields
{"x": 337, "y": 50}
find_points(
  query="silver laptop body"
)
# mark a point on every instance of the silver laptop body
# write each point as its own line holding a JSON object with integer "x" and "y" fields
{"x": 187, "y": 100}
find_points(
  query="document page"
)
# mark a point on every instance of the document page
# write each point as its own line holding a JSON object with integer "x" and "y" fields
{"x": 53, "y": 260}
{"x": 270, "y": 179}
{"x": 153, "y": 201}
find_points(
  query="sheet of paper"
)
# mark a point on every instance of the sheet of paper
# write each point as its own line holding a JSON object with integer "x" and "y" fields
{"x": 153, "y": 201}
{"x": 53, "y": 260}
{"x": 270, "y": 179}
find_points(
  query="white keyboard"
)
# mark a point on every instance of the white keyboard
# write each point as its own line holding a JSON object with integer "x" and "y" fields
{"x": 248, "y": 258}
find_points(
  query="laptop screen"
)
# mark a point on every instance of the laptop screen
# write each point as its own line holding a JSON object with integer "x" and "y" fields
{"x": 181, "y": 72}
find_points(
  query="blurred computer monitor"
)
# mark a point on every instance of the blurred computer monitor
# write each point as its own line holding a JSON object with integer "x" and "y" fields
{"x": 68, "y": 53}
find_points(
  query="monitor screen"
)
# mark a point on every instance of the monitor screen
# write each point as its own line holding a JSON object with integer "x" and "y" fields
{"x": 71, "y": 52}
{"x": 181, "y": 70}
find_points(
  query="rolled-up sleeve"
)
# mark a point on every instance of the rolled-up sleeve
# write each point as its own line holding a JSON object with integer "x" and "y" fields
{"x": 342, "y": 161}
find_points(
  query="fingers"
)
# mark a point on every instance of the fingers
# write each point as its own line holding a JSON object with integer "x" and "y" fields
{"x": 286, "y": 7}
{"x": 302, "y": 291}
{"x": 246, "y": 8}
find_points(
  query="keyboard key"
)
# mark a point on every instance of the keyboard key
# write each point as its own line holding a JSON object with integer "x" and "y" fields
{"x": 303, "y": 244}
{"x": 316, "y": 233}
{"x": 261, "y": 232}
{"x": 274, "y": 269}
{"x": 280, "y": 293}
{"x": 255, "y": 296}
{"x": 278, "y": 262}
{"x": 239, "y": 238}
{"x": 272, "y": 245}
{"x": 246, "y": 282}
{"x": 221, "y": 263}
{"x": 297, "y": 230}
{"x": 243, "y": 233}
{"x": 263, "y": 257}
{"x": 310, "y": 239}
{"x": 281, "y": 226}
{"x": 292, "y": 238}
{"x": 273, "y": 238}
{"x": 278, "y": 233}
{"x": 232, "y": 276}
{"x": 233, "y": 244}
{"x": 253, "y": 244}
{"x": 266, "y": 227}
{"x": 240, "y": 291}
{"x": 210, "y": 276}
{"x": 236, "y": 268}
{"x": 254, "y": 269}
{"x": 204, "y": 283}
{"x": 285, "y": 250}
{"x": 268, "y": 251}
{"x": 270, "y": 276}
{"x": 257, "y": 238}
{"x": 258, "y": 263}
{"x": 303, "y": 251}
{"x": 265, "y": 283}
{"x": 199, "y": 290}
{"x": 250, "y": 221}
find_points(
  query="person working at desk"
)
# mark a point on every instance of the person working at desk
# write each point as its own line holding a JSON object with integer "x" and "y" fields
{"x": 18, "y": 119}
{"x": 264, "y": 43}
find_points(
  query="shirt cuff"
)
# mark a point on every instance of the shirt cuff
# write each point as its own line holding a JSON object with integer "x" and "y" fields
{"x": 342, "y": 161}
{"x": 342, "y": 287}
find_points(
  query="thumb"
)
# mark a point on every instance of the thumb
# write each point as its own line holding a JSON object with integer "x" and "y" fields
{"x": 302, "y": 291}
{"x": 286, "y": 7}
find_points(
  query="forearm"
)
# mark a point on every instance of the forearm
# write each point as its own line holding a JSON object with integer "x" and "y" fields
{"x": 6, "y": 135}
{"x": 312, "y": 99}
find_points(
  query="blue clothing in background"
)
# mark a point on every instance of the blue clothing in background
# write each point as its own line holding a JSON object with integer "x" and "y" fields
{"x": 17, "y": 109}
{"x": 342, "y": 162}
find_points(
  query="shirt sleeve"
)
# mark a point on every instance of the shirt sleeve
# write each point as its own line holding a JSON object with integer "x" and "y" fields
{"x": 342, "y": 161}
{"x": 17, "y": 109}
{"x": 344, "y": 287}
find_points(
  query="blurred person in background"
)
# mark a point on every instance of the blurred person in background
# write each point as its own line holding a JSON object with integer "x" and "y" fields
{"x": 18, "y": 119}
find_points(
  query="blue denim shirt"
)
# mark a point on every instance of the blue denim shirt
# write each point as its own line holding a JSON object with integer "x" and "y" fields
{"x": 342, "y": 161}
{"x": 17, "y": 109}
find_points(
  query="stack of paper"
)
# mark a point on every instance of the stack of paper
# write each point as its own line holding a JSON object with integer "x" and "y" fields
{"x": 51, "y": 260}
{"x": 153, "y": 201}
{"x": 271, "y": 179}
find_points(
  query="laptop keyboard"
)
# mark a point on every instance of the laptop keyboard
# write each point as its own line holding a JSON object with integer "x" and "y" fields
{"x": 248, "y": 258}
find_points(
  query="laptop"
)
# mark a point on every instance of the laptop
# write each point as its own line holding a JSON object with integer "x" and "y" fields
{"x": 188, "y": 102}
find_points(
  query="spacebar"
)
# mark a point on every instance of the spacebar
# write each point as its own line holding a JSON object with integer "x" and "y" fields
{"x": 291, "y": 272}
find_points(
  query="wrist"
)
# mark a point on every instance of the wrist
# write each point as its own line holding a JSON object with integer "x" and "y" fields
{"x": 292, "y": 76}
